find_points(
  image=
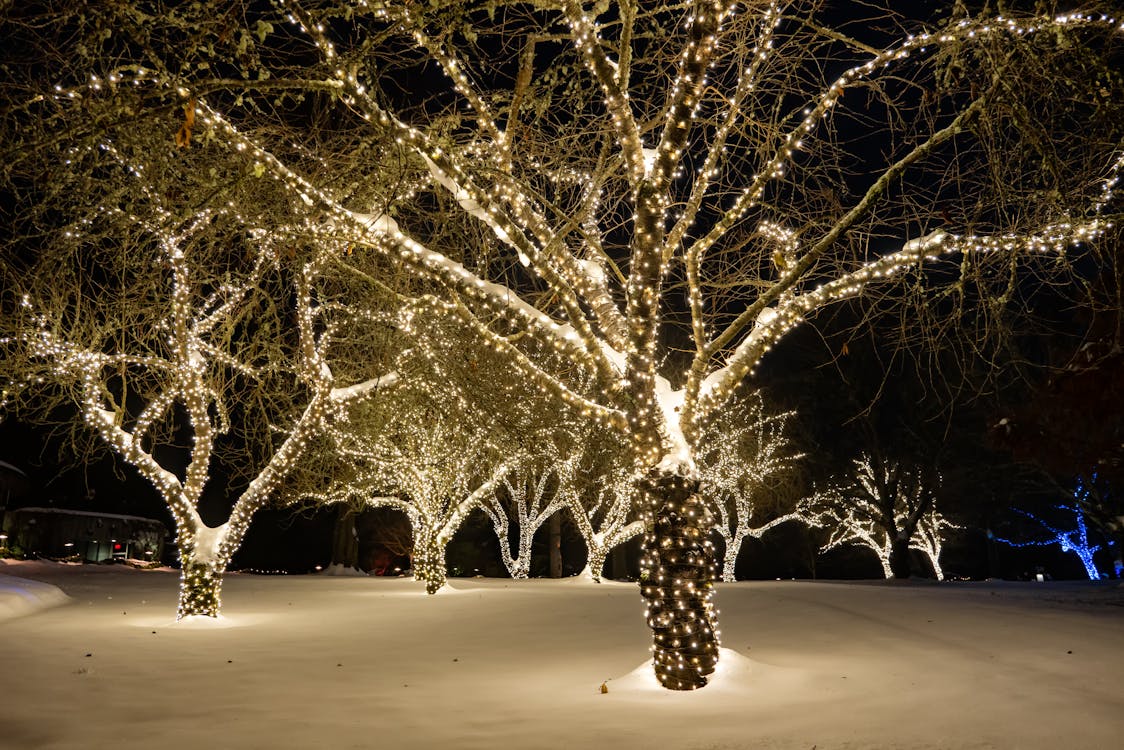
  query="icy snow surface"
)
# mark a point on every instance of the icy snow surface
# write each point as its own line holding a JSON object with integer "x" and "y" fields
{"x": 347, "y": 662}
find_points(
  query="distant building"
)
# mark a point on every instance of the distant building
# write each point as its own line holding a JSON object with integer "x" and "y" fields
{"x": 93, "y": 537}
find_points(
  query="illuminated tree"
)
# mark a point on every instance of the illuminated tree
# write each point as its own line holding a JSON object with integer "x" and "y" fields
{"x": 624, "y": 177}
{"x": 435, "y": 460}
{"x": 529, "y": 497}
{"x": 1074, "y": 539}
{"x": 175, "y": 352}
{"x": 600, "y": 493}
{"x": 888, "y": 507}
{"x": 746, "y": 459}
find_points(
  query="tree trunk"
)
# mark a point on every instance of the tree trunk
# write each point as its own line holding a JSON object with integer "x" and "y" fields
{"x": 597, "y": 555}
{"x": 618, "y": 564}
{"x": 429, "y": 560}
{"x": 677, "y": 576}
{"x": 200, "y": 588}
{"x": 937, "y": 571}
{"x": 556, "y": 546}
{"x": 345, "y": 542}
{"x": 730, "y": 560}
{"x": 520, "y": 568}
{"x": 899, "y": 557}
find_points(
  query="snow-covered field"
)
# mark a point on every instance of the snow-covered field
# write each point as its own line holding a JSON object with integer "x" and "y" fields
{"x": 347, "y": 662}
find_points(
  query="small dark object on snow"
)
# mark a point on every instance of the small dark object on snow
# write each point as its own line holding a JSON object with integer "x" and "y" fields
{"x": 604, "y": 688}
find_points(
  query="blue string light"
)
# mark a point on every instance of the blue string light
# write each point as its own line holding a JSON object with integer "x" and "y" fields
{"x": 1070, "y": 540}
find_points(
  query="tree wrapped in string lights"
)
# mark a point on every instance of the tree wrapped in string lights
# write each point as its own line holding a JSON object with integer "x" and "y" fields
{"x": 435, "y": 461}
{"x": 1073, "y": 538}
{"x": 528, "y": 496}
{"x": 600, "y": 494}
{"x": 181, "y": 345}
{"x": 624, "y": 177}
{"x": 746, "y": 468}
{"x": 886, "y": 506}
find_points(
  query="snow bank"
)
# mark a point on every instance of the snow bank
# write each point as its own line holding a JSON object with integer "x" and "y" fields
{"x": 339, "y": 569}
{"x": 19, "y": 596}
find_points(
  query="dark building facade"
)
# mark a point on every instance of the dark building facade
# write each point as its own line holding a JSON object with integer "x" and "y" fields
{"x": 91, "y": 537}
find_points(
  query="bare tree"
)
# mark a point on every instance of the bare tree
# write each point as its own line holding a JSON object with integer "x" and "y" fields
{"x": 746, "y": 466}
{"x": 887, "y": 506}
{"x": 656, "y": 192}
{"x": 600, "y": 492}
{"x": 526, "y": 500}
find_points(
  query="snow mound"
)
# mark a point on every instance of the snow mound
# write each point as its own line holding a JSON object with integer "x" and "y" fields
{"x": 19, "y": 596}
{"x": 733, "y": 671}
{"x": 339, "y": 569}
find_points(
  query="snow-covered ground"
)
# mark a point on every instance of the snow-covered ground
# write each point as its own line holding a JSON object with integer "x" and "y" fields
{"x": 345, "y": 662}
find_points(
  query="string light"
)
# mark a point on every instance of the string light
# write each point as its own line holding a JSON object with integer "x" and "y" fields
{"x": 677, "y": 574}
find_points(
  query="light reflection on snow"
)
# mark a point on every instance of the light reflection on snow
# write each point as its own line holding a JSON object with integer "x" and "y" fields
{"x": 225, "y": 621}
{"x": 732, "y": 674}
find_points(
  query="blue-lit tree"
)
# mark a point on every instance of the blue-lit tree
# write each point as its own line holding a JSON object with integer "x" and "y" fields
{"x": 1074, "y": 539}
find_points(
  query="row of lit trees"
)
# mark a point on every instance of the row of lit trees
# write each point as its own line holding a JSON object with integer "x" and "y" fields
{"x": 627, "y": 204}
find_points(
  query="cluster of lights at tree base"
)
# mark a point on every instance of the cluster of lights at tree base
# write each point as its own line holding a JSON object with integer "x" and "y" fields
{"x": 200, "y": 590}
{"x": 429, "y": 562}
{"x": 677, "y": 574}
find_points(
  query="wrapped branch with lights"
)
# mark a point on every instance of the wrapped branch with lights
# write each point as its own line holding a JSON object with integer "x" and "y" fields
{"x": 746, "y": 468}
{"x": 886, "y": 506}
{"x": 651, "y": 194}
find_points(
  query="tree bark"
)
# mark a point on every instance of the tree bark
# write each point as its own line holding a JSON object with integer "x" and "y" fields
{"x": 677, "y": 576}
{"x": 345, "y": 542}
{"x": 556, "y": 546}
{"x": 899, "y": 557}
